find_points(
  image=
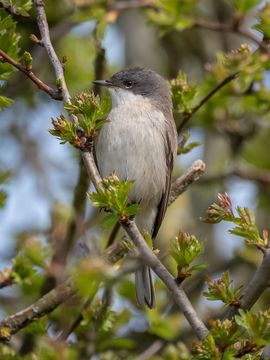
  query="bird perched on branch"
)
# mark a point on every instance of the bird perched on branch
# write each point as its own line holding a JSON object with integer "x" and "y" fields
{"x": 139, "y": 142}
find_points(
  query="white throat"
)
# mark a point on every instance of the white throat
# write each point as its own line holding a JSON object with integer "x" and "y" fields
{"x": 122, "y": 97}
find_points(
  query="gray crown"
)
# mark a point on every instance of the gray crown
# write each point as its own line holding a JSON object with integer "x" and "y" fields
{"x": 147, "y": 83}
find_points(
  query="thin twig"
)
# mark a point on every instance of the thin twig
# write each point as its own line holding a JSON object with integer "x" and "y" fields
{"x": 54, "y": 94}
{"x": 229, "y": 27}
{"x": 219, "y": 86}
{"x": 155, "y": 347}
{"x": 65, "y": 334}
{"x": 181, "y": 184}
{"x": 11, "y": 10}
{"x": 262, "y": 177}
{"x": 46, "y": 41}
{"x": 6, "y": 278}
{"x": 257, "y": 285}
{"x": 131, "y": 4}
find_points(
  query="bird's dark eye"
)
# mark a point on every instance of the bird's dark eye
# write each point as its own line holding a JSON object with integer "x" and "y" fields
{"x": 127, "y": 84}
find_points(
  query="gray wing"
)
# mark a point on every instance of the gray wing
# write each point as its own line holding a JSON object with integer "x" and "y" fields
{"x": 171, "y": 150}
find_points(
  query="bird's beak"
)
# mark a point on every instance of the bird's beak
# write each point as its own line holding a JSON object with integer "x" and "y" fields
{"x": 102, "y": 82}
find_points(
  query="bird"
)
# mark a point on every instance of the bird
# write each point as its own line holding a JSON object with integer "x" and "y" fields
{"x": 139, "y": 143}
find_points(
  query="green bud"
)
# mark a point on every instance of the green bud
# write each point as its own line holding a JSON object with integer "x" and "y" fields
{"x": 27, "y": 59}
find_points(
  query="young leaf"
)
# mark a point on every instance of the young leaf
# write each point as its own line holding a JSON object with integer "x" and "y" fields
{"x": 223, "y": 289}
{"x": 184, "y": 250}
{"x": 257, "y": 326}
{"x": 113, "y": 193}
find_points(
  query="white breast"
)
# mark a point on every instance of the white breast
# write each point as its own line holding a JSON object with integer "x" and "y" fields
{"x": 132, "y": 145}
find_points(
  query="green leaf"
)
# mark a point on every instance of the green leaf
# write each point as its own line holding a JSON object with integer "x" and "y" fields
{"x": 113, "y": 193}
{"x": 117, "y": 343}
{"x": 5, "y": 102}
{"x": 201, "y": 266}
{"x": 243, "y": 6}
{"x": 172, "y": 14}
{"x": 165, "y": 328}
{"x": 65, "y": 130}
{"x": 263, "y": 25}
{"x": 185, "y": 249}
{"x": 132, "y": 209}
{"x": 9, "y": 40}
{"x": 257, "y": 326}
{"x": 223, "y": 289}
{"x": 225, "y": 332}
{"x": 90, "y": 111}
{"x": 109, "y": 221}
{"x": 207, "y": 350}
{"x": 35, "y": 253}
{"x": 88, "y": 276}
{"x": 22, "y": 268}
{"x": 3, "y": 197}
{"x": 183, "y": 94}
{"x": 19, "y": 7}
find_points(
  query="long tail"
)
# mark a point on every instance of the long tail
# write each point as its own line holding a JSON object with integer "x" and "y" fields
{"x": 145, "y": 291}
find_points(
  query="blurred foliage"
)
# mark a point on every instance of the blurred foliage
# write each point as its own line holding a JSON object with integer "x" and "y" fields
{"x": 112, "y": 327}
{"x": 4, "y": 176}
{"x": 231, "y": 340}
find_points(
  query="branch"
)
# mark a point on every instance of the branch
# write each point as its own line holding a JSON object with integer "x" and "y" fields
{"x": 229, "y": 27}
{"x": 148, "y": 257}
{"x": 219, "y": 86}
{"x": 262, "y": 177}
{"x": 181, "y": 184}
{"x": 256, "y": 287}
{"x": 46, "y": 41}
{"x": 254, "y": 174}
{"x": 155, "y": 347}
{"x": 146, "y": 254}
{"x": 11, "y": 10}
{"x": 69, "y": 330}
{"x": 46, "y": 304}
{"x": 41, "y": 307}
{"x": 54, "y": 94}
{"x": 131, "y": 4}
{"x": 178, "y": 294}
{"x": 6, "y": 278}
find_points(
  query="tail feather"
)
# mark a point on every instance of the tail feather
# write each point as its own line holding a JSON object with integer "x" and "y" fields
{"x": 145, "y": 291}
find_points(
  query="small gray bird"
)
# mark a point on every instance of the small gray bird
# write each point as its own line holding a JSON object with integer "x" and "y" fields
{"x": 139, "y": 142}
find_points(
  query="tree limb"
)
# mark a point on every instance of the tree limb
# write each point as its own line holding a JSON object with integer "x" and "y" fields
{"x": 178, "y": 294}
{"x": 149, "y": 258}
{"x": 146, "y": 254}
{"x": 54, "y": 94}
{"x": 256, "y": 286}
{"x": 46, "y": 304}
